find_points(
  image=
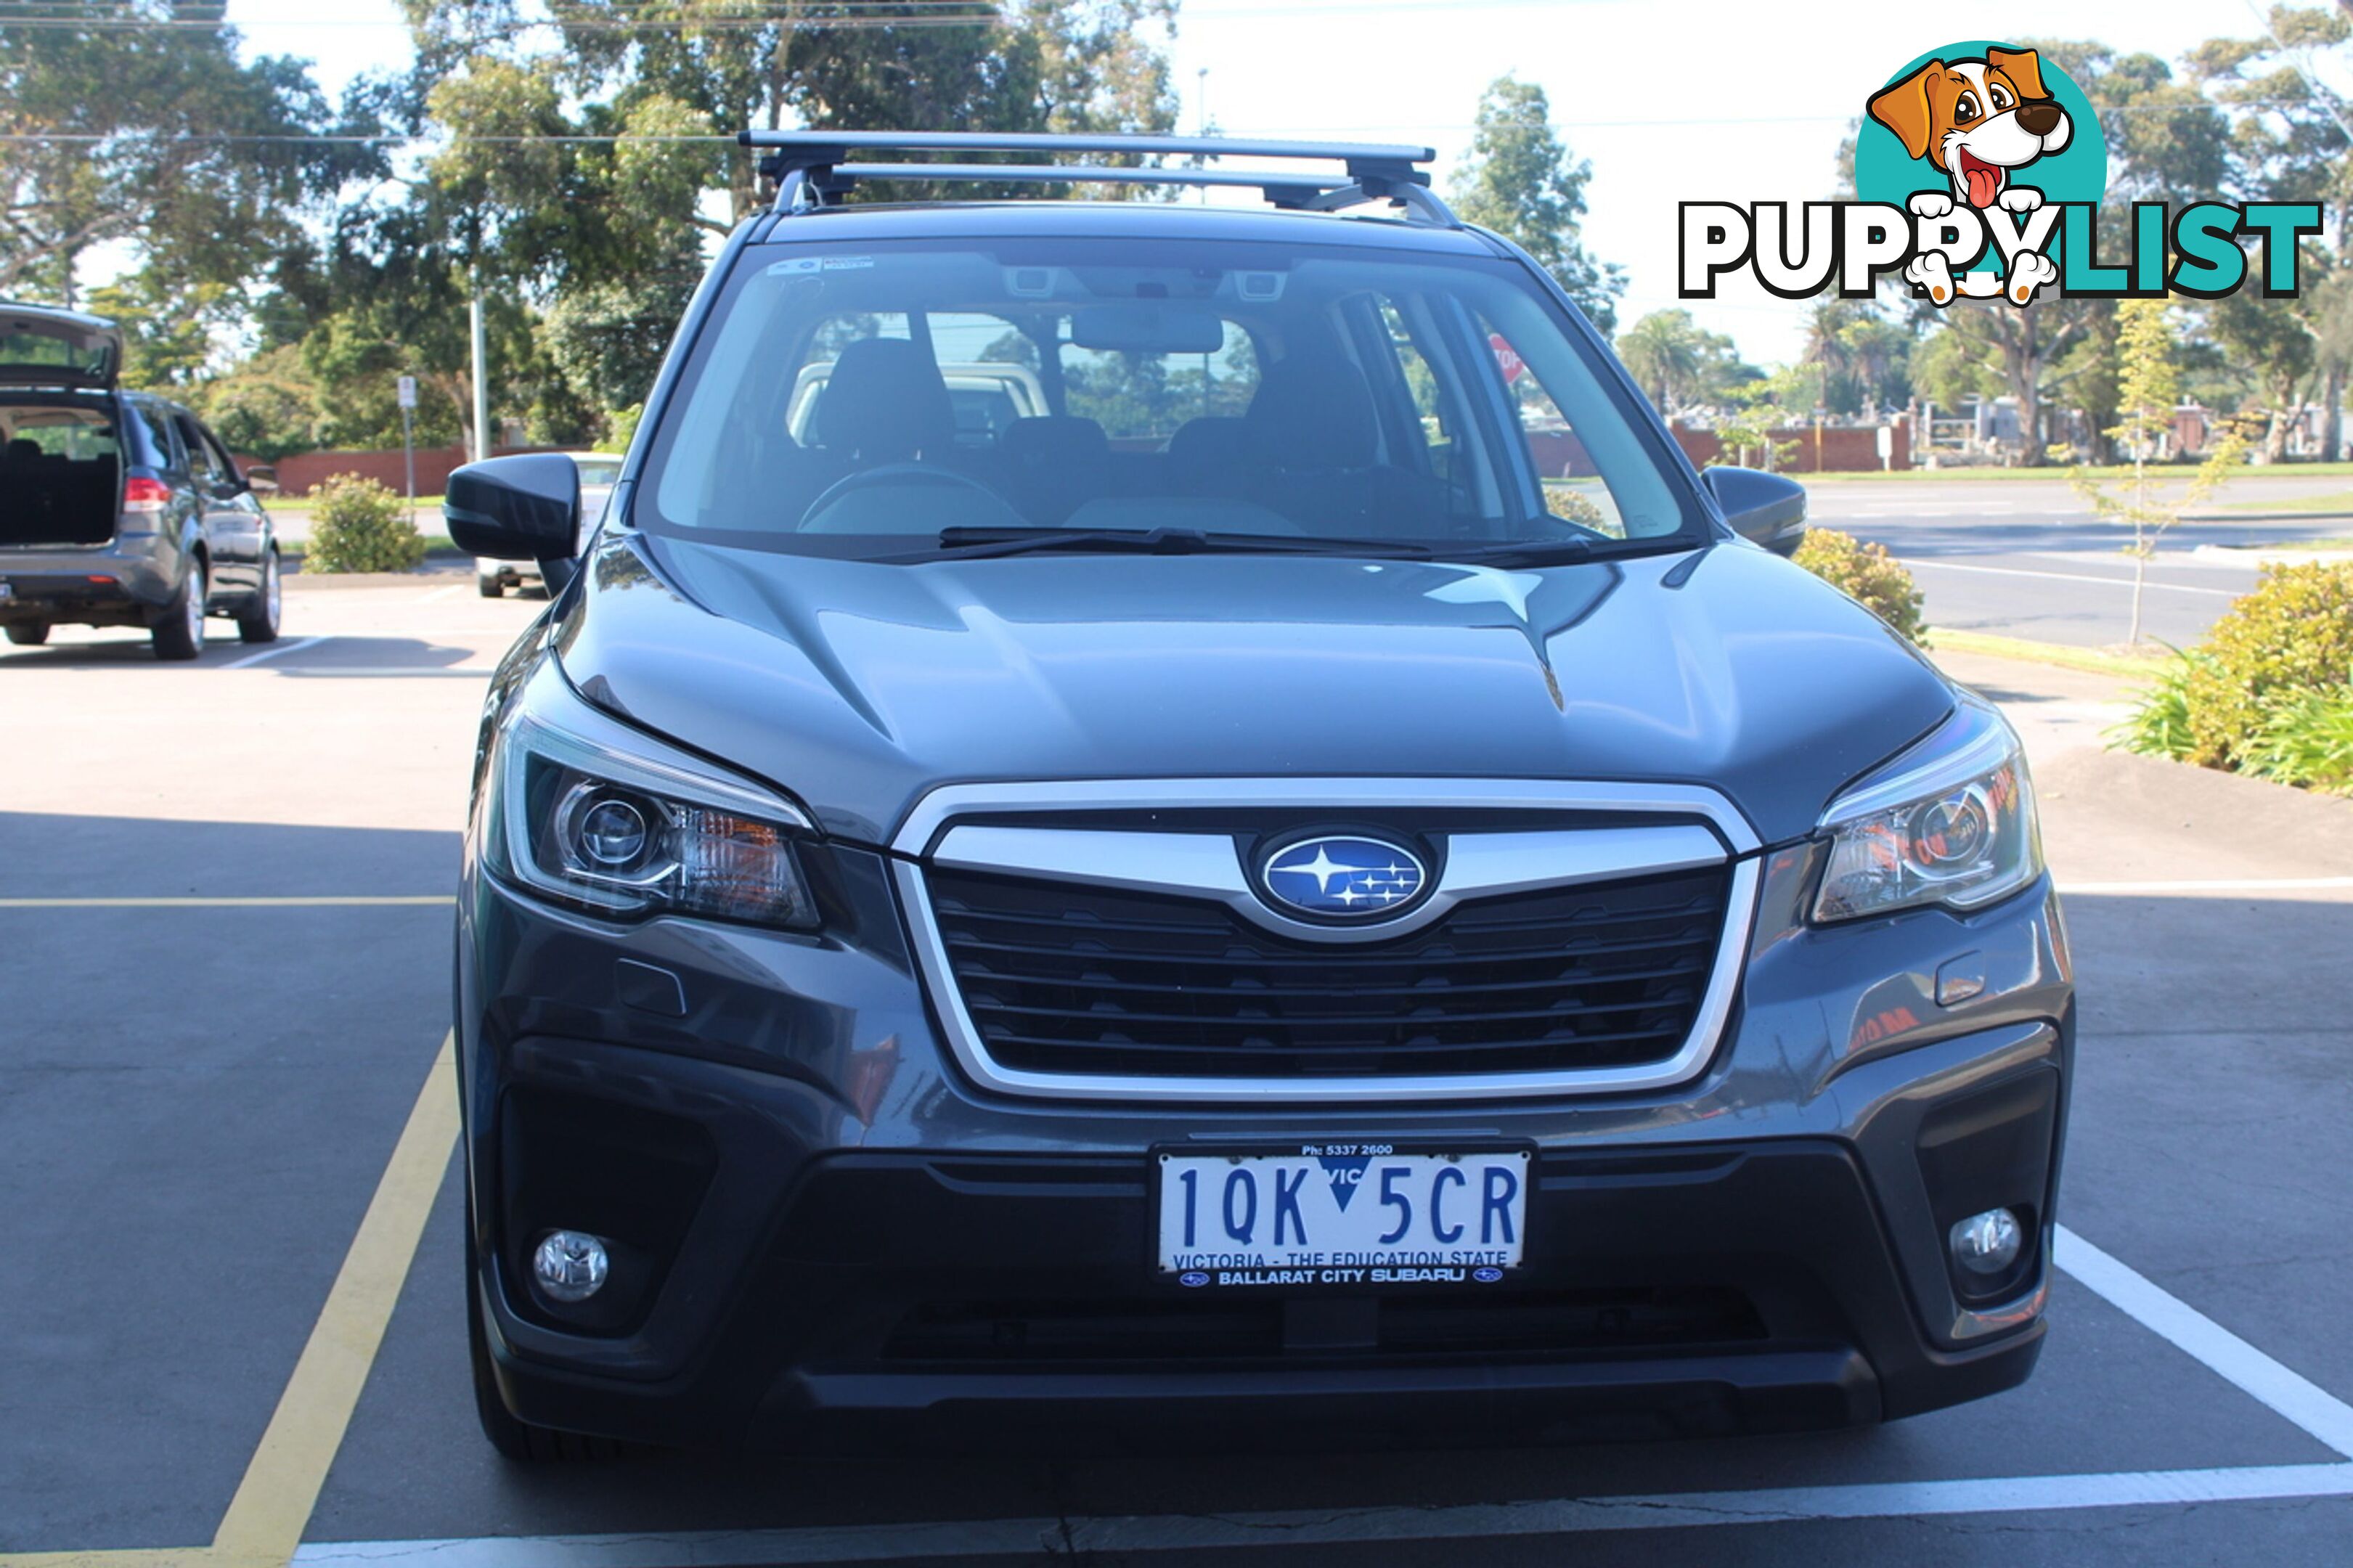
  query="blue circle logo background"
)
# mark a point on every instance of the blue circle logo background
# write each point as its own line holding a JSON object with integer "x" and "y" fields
{"x": 2078, "y": 172}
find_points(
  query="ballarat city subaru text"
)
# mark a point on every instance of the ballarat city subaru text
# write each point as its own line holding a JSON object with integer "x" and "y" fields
{"x": 1187, "y": 818}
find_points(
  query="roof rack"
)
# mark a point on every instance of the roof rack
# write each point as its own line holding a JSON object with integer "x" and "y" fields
{"x": 812, "y": 168}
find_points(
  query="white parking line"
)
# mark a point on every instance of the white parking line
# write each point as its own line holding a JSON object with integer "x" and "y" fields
{"x": 2223, "y": 885}
{"x": 2288, "y": 1394}
{"x": 272, "y": 651}
{"x": 1917, "y": 563}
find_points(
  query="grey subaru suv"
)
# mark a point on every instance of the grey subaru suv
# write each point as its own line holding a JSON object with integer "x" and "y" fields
{"x": 1319, "y": 880}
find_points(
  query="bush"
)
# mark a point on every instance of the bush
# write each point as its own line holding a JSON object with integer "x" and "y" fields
{"x": 2306, "y": 740}
{"x": 2159, "y": 723}
{"x": 2293, "y": 635}
{"x": 358, "y": 525}
{"x": 1867, "y": 573}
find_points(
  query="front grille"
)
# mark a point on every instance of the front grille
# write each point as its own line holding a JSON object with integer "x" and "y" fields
{"x": 1060, "y": 977}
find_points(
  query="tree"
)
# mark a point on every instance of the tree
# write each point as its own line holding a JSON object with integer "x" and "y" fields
{"x": 2274, "y": 349}
{"x": 2148, "y": 385}
{"x": 143, "y": 130}
{"x": 1520, "y": 181}
{"x": 1680, "y": 365}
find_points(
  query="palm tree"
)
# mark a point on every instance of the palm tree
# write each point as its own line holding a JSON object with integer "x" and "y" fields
{"x": 1667, "y": 354}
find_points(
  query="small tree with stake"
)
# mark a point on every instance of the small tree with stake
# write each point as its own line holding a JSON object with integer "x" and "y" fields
{"x": 2148, "y": 387}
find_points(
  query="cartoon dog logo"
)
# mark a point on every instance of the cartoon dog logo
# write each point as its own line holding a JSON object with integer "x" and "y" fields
{"x": 1976, "y": 121}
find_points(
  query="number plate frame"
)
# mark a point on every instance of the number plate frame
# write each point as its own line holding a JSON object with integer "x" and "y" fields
{"x": 1329, "y": 1278}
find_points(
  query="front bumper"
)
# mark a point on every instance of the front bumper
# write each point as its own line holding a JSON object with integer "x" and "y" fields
{"x": 827, "y": 1233}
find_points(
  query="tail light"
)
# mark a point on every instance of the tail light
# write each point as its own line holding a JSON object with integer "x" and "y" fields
{"x": 146, "y": 495}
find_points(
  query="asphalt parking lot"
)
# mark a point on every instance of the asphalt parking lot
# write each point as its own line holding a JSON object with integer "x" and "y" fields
{"x": 230, "y": 1311}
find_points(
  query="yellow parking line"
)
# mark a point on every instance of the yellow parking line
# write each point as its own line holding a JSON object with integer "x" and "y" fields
{"x": 266, "y": 1519}
{"x": 294, "y": 902}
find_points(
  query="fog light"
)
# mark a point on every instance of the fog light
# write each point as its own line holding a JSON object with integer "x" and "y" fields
{"x": 1984, "y": 1243}
{"x": 570, "y": 1265}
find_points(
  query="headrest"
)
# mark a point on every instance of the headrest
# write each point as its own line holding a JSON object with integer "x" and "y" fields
{"x": 23, "y": 449}
{"x": 1056, "y": 439}
{"x": 1212, "y": 441}
{"x": 1313, "y": 411}
{"x": 885, "y": 402}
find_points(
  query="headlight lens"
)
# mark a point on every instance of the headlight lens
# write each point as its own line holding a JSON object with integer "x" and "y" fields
{"x": 593, "y": 814}
{"x": 1950, "y": 822}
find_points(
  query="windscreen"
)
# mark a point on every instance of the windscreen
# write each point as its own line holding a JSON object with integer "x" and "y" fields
{"x": 863, "y": 401}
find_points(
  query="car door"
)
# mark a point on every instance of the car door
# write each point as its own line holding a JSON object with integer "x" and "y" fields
{"x": 234, "y": 524}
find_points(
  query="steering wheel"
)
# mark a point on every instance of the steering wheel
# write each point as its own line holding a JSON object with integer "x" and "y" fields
{"x": 911, "y": 474}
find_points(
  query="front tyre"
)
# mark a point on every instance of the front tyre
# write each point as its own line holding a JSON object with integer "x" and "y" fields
{"x": 515, "y": 1440}
{"x": 28, "y": 634}
{"x": 257, "y": 622}
{"x": 180, "y": 634}
{"x": 491, "y": 584}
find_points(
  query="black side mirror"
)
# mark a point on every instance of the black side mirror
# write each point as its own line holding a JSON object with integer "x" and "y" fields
{"x": 1765, "y": 508}
{"x": 226, "y": 489}
{"x": 524, "y": 508}
{"x": 261, "y": 478}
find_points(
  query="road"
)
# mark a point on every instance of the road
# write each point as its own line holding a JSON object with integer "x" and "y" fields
{"x": 231, "y": 1310}
{"x": 2026, "y": 558}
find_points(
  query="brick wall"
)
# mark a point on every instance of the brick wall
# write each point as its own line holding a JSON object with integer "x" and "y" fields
{"x": 299, "y": 474}
{"x": 1561, "y": 456}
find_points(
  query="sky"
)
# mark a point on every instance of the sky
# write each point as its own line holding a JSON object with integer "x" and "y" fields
{"x": 1697, "y": 100}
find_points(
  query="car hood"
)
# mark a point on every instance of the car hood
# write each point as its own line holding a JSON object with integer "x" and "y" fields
{"x": 856, "y": 687}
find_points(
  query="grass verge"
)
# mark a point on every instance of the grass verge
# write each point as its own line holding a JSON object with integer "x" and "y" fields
{"x": 2096, "y": 661}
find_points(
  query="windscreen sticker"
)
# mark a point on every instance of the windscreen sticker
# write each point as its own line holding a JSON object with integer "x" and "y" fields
{"x": 821, "y": 264}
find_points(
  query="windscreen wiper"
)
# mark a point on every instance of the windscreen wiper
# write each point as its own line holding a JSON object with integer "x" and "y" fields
{"x": 969, "y": 542}
{"x": 1529, "y": 553}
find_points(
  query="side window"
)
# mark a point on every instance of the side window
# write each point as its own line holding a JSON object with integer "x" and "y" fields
{"x": 154, "y": 435}
{"x": 221, "y": 461}
{"x": 200, "y": 461}
{"x": 1573, "y": 486}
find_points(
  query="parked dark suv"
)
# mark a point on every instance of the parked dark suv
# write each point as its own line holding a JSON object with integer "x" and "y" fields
{"x": 1317, "y": 883}
{"x": 119, "y": 508}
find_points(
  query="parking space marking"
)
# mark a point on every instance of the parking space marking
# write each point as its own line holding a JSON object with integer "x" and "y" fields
{"x": 2287, "y": 1394}
{"x": 1322, "y": 1527}
{"x": 290, "y": 902}
{"x": 1916, "y": 562}
{"x": 265, "y": 1517}
{"x": 273, "y": 651}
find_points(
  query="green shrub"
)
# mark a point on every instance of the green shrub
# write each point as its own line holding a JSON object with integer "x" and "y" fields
{"x": 1865, "y": 572}
{"x": 2293, "y": 635}
{"x": 2159, "y": 723}
{"x": 358, "y": 525}
{"x": 621, "y": 427}
{"x": 2306, "y": 740}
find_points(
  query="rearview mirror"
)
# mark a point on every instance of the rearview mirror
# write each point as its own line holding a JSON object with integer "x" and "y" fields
{"x": 525, "y": 508}
{"x": 1146, "y": 329}
{"x": 1765, "y": 508}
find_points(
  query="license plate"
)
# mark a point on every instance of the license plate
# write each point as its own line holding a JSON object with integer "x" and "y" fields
{"x": 1341, "y": 1214}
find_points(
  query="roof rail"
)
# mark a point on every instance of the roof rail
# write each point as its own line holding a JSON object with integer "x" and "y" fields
{"x": 812, "y": 168}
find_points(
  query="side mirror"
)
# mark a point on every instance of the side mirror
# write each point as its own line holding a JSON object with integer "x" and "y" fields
{"x": 525, "y": 508}
{"x": 261, "y": 480}
{"x": 226, "y": 489}
{"x": 1765, "y": 508}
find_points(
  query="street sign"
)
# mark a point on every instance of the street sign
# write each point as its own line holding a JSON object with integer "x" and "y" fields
{"x": 1507, "y": 358}
{"x": 408, "y": 391}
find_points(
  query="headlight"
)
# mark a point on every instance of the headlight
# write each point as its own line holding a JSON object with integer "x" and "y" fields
{"x": 595, "y": 813}
{"x": 1950, "y": 822}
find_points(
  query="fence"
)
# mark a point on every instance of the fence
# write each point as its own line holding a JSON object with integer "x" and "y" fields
{"x": 300, "y": 473}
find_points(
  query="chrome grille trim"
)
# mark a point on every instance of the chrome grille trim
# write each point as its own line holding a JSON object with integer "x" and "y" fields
{"x": 1064, "y": 854}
